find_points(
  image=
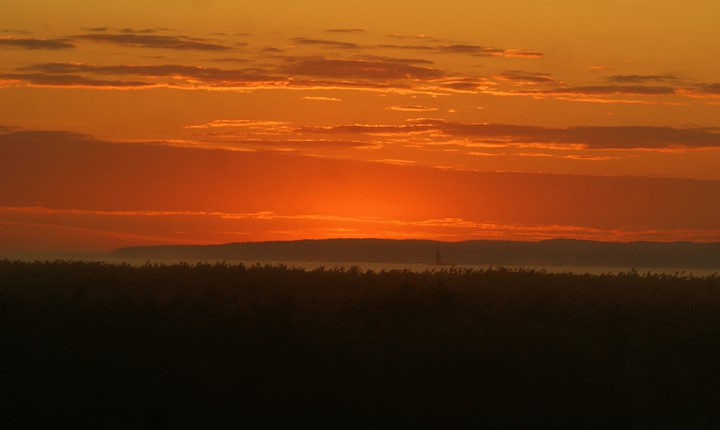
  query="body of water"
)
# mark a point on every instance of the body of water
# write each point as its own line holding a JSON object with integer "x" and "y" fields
{"x": 418, "y": 267}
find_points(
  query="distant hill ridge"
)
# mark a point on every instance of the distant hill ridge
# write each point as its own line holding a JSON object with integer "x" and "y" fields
{"x": 555, "y": 252}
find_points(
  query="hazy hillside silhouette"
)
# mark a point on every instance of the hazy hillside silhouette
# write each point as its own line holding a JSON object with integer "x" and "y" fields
{"x": 559, "y": 252}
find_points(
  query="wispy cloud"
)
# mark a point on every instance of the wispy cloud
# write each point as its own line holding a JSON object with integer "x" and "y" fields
{"x": 325, "y": 43}
{"x": 322, "y": 99}
{"x": 364, "y": 69}
{"x": 57, "y": 137}
{"x": 711, "y": 90}
{"x": 192, "y": 74}
{"x": 29, "y": 43}
{"x": 275, "y": 126}
{"x": 412, "y": 108}
{"x": 642, "y": 79}
{"x": 153, "y": 41}
{"x": 522, "y": 53}
{"x": 14, "y": 31}
{"x": 345, "y": 30}
{"x": 526, "y": 78}
{"x": 471, "y": 136}
{"x": 595, "y": 137}
{"x": 63, "y": 80}
{"x": 606, "y": 90}
{"x": 394, "y": 59}
{"x": 467, "y": 49}
{"x": 423, "y": 37}
{"x": 295, "y": 72}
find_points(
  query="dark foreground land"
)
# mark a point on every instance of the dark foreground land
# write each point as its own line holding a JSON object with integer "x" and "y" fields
{"x": 216, "y": 346}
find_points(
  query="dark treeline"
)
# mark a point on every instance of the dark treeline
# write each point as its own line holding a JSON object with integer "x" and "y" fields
{"x": 214, "y": 345}
{"x": 555, "y": 252}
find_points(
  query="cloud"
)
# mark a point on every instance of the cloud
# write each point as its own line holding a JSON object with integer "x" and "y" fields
{"x": 310, "y": 73}
{"x": 422, "y": 48}
{"x": 522, "y": 53}
{"x": 125, "y": 30}
{"x": 136, "y": 31}
{"x": 641, "y": 79}
{"x": 345, "y": 30}
{"x": 322, "y": 99}
{"x": 55, "y": 137}
{"x": 293, "y": 144}
{"x": 466, "y": 85}
{"x": 614, "y": 89}
{"x": 710, "y": 88}
{"x": 592, "y": 137}
{"x": 207, "y": 75}
{"x": 703, "y": 90}
{"x": 394, "y": 59}
{"x": 363, "y": 69}
{"x": 566, "y": 156}
{"x": 424, "y": 37}
{"x": 467, "y": 49}
{"x": 600, "y": 90}
{"x": 14, "y": 31}
{"x": 271, "y": 49}
{"x": 412, "y": 108}
{"x": 153, "y": 41}
{"x": 527, "y": 78}
{"x": 325, "y": 43}
{"x": 231, "y": 60}
{"x": 272, "y": 126}
{"x": 63, "y": 80}
{"x": 28, "y": 43}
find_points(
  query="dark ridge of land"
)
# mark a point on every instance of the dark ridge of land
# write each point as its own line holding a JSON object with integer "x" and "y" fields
{"x": 97, "y": 345}
{"x": 558, "y": 252}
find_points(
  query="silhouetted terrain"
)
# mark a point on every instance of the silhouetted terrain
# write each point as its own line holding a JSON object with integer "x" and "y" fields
{"x": 96, "y": 345}
{"x": 559, "y": 252}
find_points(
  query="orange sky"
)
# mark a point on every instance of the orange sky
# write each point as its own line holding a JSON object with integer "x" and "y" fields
{"x": 201, "y": 121}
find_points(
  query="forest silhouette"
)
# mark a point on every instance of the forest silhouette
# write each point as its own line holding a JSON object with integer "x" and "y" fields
{"x": 555, "y": 252}
{"x": 167, "y": 346}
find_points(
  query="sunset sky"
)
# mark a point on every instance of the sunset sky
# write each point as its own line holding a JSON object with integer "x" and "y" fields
{"x": 211, "y": 121}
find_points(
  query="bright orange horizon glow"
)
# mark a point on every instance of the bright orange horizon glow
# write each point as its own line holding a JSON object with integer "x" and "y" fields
{"x": 203, "y": 121}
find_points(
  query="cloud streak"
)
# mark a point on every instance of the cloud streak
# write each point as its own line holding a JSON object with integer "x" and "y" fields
{"x": 325, "y": 43}
{"x": 153, "y": 41}
{"x": 642, "y": 79}
{"x": 322, "y": 99}
{"x": 63, "y": 80}
{"x": 35, "y": 44}
{"x": 596, "y": 90}
{"x": 711, "y": 90}
{"x": 362, "y": 69}
{"x": 526, "y": 78}
{"x": 467, "y": 49}
{"x": 412, "y": 108}
{"x": 295, "y": 72}
{"x": 592, "y": 137}
{"x": 345, "y": 30}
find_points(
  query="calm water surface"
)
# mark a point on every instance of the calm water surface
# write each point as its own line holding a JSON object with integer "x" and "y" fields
{"x": 312, "y": 265}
